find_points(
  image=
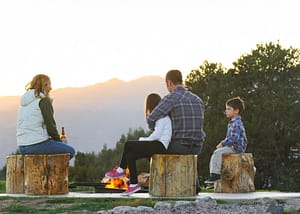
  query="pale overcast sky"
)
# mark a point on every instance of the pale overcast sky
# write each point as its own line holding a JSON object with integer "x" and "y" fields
{"x": 83, "y": 42}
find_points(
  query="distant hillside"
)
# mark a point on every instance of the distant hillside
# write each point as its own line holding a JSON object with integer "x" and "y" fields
{"x": 92, "y": 116}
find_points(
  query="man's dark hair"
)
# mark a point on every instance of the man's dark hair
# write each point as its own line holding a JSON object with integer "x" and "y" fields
{"x": 236, "y": 103}
{"x": 174, "y": 76}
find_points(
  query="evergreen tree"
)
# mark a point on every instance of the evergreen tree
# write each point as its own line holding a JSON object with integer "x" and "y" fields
{"x": 91, "y": 167}
{"x": 209, "y": 82}
{"x": 268, "y": 79}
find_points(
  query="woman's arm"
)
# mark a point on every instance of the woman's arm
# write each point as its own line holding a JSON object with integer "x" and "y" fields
{"x": 47, "y": 112}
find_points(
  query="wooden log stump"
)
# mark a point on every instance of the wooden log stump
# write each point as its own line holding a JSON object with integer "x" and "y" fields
{"x": 46, "y": 174}
{"x": 143, "y": 179}
{"x": 37, "y": 174}
{"x": 237, "y": 174}
{"x": 173, "y": 175}
{"x": 15, "y": 174}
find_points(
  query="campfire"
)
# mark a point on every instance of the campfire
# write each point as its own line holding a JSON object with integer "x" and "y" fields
{"x": 117, "y": 183}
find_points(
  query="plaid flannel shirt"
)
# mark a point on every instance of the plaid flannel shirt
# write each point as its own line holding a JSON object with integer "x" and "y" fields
{"x": 236, "y": 135}
{"x": 186, "y": 111}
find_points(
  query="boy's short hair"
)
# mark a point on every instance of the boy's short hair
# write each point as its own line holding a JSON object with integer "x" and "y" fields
{"x": 174, "y": 76}
{"x": 236, "y": 103}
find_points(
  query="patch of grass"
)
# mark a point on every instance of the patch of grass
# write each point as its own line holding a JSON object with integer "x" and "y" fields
{"x": 61, "y": 200}
{"x": 135, "y": 203}
{"x": 82, "y": 189}
{"x": 207, "y": 190}
{"x": 219, "y": 201}
{"x": 2, "y": 186}
{"x": 97, "y": 204}
{"x": 71, "y": 205}
{"x": 21, "y": 209}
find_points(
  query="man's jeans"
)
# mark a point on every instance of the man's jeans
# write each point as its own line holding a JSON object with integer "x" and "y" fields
{"x": 48, "y": 147}
{"x": 177, "y": 148}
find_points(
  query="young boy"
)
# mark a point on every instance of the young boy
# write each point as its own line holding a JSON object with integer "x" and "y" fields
{"x": 235, "y": 140}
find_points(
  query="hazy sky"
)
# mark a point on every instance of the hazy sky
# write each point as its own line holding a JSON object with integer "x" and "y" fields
{"x": 82, "y": 42}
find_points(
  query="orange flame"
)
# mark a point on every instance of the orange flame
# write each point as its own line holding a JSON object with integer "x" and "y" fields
{"x": 117, "y": 183}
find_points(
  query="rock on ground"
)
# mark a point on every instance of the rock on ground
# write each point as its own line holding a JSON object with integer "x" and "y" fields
{"x": 209, "y": 205}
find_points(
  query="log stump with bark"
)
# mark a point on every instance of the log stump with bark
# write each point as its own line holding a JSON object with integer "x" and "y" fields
{"x": 143, "y": 179}
{"x": 39, "y": 174}
{"x": 15, "y": 174}
{"x": 237, "y": 174}
{"x": 173, "y": 175}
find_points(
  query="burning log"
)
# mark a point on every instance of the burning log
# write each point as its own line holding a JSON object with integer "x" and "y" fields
{"x": 237, "y": 174}
{"x": 173, "y": 175}
{"x": 117, "y": 183}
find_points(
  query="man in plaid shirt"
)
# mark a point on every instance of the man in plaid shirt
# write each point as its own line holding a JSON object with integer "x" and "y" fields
{"x": 186, "y": 111}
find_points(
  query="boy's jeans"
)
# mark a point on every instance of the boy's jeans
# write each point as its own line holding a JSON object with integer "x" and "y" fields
{"x": 216, "y": 159}
{"x": 48, "y": 147}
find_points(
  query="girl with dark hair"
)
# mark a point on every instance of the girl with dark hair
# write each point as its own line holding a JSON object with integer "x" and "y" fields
{"x": 145, "y": 147}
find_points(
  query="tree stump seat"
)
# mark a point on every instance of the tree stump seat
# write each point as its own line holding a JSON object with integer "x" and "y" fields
{"x": 15, "y": 174}
{"x": 173, "y": 175}
{"x": 237, "y": 174}
{"x": 37, "y": 174}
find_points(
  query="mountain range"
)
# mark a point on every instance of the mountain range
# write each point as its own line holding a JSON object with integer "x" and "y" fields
{"x": 93, "y": 116}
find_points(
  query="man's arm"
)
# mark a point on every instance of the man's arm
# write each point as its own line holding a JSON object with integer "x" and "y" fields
{"x": 157, "y": 133}
{"x": 163, "y": 108}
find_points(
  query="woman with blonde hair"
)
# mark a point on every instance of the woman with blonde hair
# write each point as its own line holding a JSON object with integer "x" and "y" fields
{"x": 36, "y": 126}
{"x": 145, "y": 147}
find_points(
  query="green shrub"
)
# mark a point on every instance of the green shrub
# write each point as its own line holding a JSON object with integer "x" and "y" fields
{"x": 2, "y": 186}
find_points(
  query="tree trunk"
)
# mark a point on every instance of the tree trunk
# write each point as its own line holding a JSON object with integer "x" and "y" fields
{"x": 237, "y": 174}
{"x": 46, "y": 174}
{"x": 15, "y": 174}
{"x": 173, "y": 175}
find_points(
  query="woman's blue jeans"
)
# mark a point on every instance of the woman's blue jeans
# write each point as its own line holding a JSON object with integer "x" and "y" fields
{"x": 48, "y": 147}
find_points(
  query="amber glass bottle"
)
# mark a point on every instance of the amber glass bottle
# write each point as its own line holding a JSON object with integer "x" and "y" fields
{"x": 63, "y": 135}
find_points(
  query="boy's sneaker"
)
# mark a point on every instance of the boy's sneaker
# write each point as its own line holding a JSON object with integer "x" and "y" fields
{"x": 213, "y": 178}
{"x": 131, "y": 190}
{"x": 115, "y": 174}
